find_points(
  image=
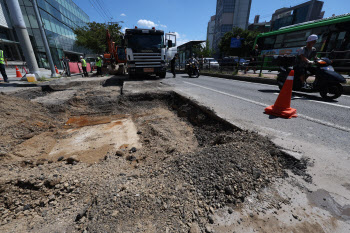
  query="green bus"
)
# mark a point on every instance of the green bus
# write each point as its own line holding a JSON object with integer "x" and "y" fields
{"x": 333, "y": 35}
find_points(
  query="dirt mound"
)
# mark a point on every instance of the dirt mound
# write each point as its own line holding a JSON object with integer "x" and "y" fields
{"x": 228, "y": 172}
{"x": 190, "y": 163}
{"x": 21, "y": 120}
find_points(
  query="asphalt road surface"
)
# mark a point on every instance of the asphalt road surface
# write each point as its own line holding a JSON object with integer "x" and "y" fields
{"x": 321, "y": 132}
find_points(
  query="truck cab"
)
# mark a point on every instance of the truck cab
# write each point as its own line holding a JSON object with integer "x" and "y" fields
{"x": 146, "y": 52}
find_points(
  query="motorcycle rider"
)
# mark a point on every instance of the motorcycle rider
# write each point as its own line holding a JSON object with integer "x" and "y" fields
{"x": 305, "y": 55}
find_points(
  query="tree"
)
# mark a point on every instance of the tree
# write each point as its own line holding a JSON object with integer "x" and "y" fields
{"x": 247, "y": 42}
{"x": 201, "y": 50}
{"x": 93, "y": 36}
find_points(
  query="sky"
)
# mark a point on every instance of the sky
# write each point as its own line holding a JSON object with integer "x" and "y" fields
{"x": 188, "y": 18}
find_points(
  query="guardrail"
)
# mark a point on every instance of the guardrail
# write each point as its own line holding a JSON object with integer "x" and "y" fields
{"x": 266, "y": 62}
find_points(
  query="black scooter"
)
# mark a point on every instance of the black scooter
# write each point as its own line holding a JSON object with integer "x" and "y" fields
{"x": 192, "y": 69}
{"x": 327, "y": 82}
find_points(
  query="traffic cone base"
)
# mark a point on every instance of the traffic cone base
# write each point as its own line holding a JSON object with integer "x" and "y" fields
{"x": 281, "y": 112}
{"x": 18, "y": 73}
{"x": 282, "y": 108}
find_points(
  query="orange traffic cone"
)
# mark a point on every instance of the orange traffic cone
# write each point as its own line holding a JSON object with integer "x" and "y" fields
{"x": 18, "y": 73}
{"x": 56, "y": 70}
{"x": 282, "y": 108}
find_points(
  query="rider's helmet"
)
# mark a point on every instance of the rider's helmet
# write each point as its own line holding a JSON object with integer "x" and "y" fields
{"x": 81, "y": 57}
{"x": 311, "y": 38}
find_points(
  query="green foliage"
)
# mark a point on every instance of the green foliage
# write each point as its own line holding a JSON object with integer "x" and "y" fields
{"x": 200, "y": 50}
{"x": 247, "y": 43}
{"x": 93, "y": 36}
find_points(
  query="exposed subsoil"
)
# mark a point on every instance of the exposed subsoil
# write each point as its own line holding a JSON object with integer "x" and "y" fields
{"x": 181, "y": 163}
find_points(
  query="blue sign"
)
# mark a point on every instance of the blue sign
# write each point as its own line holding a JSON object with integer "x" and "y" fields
{"x": 236, "y": 43}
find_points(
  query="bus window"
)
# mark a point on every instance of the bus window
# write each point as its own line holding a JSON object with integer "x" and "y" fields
{"x": 296, "y": 39}
{"x": 260, "y": 43}
{"x": 269, "y": 42}
{"x": 332, "y": 42}
{"x": 322, "y": 33}
{"x": 340, "y": 40}
{"x": 279, "y": 41}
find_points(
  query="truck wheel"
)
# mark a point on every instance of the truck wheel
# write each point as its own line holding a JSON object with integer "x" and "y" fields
{"x": 162, "y": 75}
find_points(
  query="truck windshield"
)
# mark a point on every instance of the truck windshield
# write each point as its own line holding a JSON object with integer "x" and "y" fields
{"x": 148, "y": 41}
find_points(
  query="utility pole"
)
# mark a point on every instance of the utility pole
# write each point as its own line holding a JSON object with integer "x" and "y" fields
{"x": 43, "y": 37}
{"x": 22, "y": 33}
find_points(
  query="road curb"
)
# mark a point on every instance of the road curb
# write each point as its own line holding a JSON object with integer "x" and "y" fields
{"x": 346, "y": 89}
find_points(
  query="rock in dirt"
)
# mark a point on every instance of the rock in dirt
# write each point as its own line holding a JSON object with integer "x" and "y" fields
{"x": 131, "y": 158}
{"x": 60, "y": 158}
{"x": 194, "y": 228}
{"x": 72, "y": 160}
{"x": 133, "y": 150}
{"x": 228, "y": 191}
{"x": 119, "y": 153}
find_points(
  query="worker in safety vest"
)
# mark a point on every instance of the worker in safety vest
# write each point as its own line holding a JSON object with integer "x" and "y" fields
{"x": 99, "y": 65}
{"x": 2, "y": 66}
{"x": 84, "y": 65}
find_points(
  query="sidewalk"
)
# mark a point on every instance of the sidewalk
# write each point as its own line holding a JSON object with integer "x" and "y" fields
{"x": 16, "y": 84}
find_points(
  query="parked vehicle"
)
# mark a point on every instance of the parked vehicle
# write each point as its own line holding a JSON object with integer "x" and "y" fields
{"x": 210, "y": 63}
{"x": 232, "y": 62}
{"x": 327, "y": 82}
{"x": 192, "y": 68}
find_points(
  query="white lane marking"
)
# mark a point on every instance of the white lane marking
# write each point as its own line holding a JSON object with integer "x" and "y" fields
{"x": 224, "y": 93}
{"x": 265, "y": 105}
{"x": 260, "y": 84}
{"x": 320, "y": 102}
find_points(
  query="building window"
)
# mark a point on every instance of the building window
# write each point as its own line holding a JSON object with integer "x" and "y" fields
{"x": 229, "y": 6}
{"x": 226, "y": 28}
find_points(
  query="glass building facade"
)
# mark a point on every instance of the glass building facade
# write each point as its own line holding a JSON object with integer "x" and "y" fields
{"x": 311, "y": 10}
{"x": 230, "y": 14}
{"x": 59, "y": 18}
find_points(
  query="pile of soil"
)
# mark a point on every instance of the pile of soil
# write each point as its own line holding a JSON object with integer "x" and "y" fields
{"x": 190, "y": 164}
{"x": 21, "y": 120}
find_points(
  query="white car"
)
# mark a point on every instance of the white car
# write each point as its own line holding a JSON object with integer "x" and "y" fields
{"x": 210, "y": 62}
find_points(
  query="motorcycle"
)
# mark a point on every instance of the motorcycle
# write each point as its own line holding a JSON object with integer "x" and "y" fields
{"x": 327, "y": 81}
{"x": 192, "y": 68}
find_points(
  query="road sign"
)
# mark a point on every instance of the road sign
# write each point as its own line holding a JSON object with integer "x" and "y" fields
{"x": 236, "y": 42}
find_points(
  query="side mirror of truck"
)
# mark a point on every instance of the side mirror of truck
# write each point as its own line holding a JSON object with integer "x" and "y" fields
{"x": 122, "y": 41}
{"x": 170, "y": 43}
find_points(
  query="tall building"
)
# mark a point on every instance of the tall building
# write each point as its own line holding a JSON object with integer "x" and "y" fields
{"x": 230, "y": 14}
{"x": 211, "y": 31}
{"x": 311, "y": 10}
{"x": 59, "y": 18}
{"x": 260, "y": 27}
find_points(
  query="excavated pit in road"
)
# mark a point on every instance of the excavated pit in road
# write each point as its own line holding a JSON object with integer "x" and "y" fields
{"x": 145, "y": 162}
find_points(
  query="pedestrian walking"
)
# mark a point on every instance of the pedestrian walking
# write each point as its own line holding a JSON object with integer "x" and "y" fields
{"x": 84, "y": 65}
{"x": 99, "y": 65}
{"x": 253, "y": 59}
{"x": 172, "y": 65}
{"x": 3, "y": 61}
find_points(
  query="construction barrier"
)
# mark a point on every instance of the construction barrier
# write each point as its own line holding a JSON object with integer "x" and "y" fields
{"x": 76, "y": 68}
